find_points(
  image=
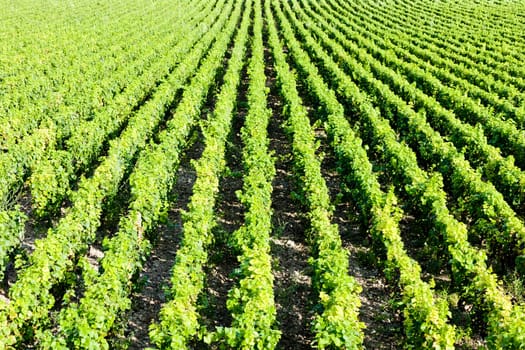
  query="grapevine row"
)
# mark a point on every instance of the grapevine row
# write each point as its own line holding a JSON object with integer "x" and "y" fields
{"x": 70, "y": 92}
{"x": 468, "y": 264}
{"x": 31, "y": 297}
{"x": 51, "y": 176}
{"x": 500, "y": 223}
{"x": 424, "y": 40}
{"x": 251, "y": 301}
{"x": 426, "y": 323}
{"x": 470, "y": 26}
{"x": 26, "y": 153}
{"x": 87, "y": 324}
{"x": 60, "y": 167}
{"x": 508, "y": 179}
{"x": 179, "y": 318}
{"x": 483, "y": 52}
{"x": 507, "y": 100}
{"x": 337, "y": 324}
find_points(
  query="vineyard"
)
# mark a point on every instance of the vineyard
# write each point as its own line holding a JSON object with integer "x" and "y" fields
{"x": 262, "y": 174}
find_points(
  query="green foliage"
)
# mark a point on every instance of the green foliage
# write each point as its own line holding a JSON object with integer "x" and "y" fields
{"x": 337, "y": 324}
{"x": 11, "y": 233}
{"x": 179, "y": 318}
{"x": 468, "y": 264}
{"x": 251, "y": 301}
{"x": 422, "y": 101}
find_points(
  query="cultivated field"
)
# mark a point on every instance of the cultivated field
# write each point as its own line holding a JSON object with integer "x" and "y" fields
{"x": 260, "y": 174}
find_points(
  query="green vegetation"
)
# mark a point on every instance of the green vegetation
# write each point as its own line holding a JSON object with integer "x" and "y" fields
{"x": 406, "y": 119}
